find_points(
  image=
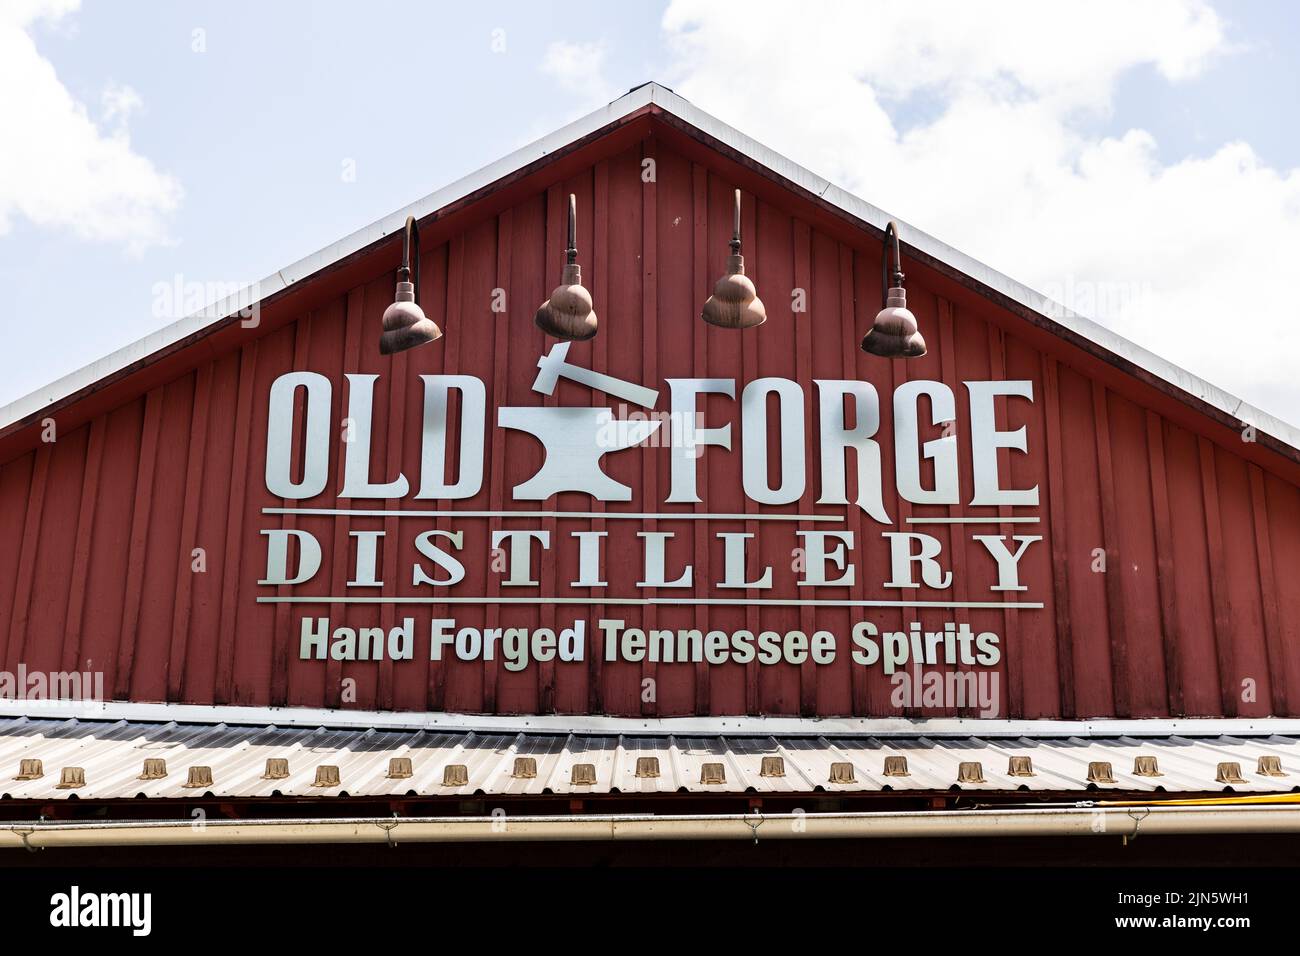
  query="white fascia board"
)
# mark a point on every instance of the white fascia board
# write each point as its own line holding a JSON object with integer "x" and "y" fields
{"x": 670, "y": 102}
{"x": 600, "y": 725}
{"x": 1085, "y": 820}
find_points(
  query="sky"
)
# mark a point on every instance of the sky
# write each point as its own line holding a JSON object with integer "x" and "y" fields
{"x": 1139, "y": 162}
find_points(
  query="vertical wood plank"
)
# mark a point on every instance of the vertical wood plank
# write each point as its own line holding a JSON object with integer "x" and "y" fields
{"x": 1056, "y": 503}
{"x": 855, "y": 519}
{"x": 396, "y": 429}
{"x": 1268, "y": 594}
{"x": 353, "y": 320}
{"x": 650, "y": 373}
{"x": 803, "y": 269}
{"x": 557, "y": 223}
{"x": 81, "y": 552}
{"x": 1165, "y": 579}
{"x": 16, "y": 646}
{"x": 902, "y": 511}
{"x": 437, "y": 690}
{"x": 280, "y": 633}
{"x": 225, "y": 673}
{"x": 1010, "y": 616}
{"x": 600, "y": 357}
{"x": 956, "y": 540}
{"x": 140, "y": 514}
{"x": 198, "y": 449}
{"x": 497, "y": 465}
{"x": 750, "y": 370}
{"x": 700, "y": 282}
{"x": 1224, "y": 652}
{"x": 1110, "y": 534}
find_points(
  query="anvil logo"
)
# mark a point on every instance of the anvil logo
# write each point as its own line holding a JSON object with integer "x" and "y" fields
{"x": 577, "y": 438}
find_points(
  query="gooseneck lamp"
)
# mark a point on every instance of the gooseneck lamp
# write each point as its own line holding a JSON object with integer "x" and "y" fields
{"x": 894, "y": 334}
{"x": 405, "y": 324}
{"x": 735, "y": 303}
{"x": 567, "y": 314}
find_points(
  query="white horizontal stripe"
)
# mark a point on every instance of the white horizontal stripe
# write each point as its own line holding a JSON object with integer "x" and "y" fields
{"x": 1149, "y": 818}
{"x": 727, "y": 602}
{"x": 972, "y": 521}
{"x": 639, "y": 516}
{"x": 600, "y": 724}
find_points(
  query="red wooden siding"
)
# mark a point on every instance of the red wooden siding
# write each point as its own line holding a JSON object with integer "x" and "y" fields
{"x": 1200, "y": 545}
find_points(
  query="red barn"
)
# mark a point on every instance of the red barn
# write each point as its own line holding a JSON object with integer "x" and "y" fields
{"x": 658, "y": 580}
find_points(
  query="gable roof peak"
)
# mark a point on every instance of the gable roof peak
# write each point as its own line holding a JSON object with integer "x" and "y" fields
{"x": 657, "y": 97}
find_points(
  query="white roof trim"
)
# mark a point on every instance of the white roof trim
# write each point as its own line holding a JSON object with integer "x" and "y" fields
{"x": 600, "y": 725}
{"x": 672, "y": 103}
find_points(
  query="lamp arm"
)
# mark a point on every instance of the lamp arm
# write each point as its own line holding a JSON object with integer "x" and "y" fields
{"x": 891, "y": 233}
{"x": 411, "y": 254}
{"x": 571, "y": 252}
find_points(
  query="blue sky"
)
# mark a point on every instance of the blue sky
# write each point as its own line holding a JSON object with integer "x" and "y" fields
{"x": 1085, "y": 147}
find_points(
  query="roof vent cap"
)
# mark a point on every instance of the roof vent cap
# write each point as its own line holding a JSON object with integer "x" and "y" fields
{"x": 525, "y": 768}
{"x": 583, "y": 775}
{"x": 1269, "y": 766}
{"x": 277, "y": 768}
{"x": 1020, "y": 767}
{"x": 842, "y": 772}
{"x": 647, "y": 766}
{"x": 970, "y": 771}
{"x": 399, "y": 768}
{"x": 70, "y": 778}
{"x": 1146, "y": 767}
{"x": 199, "y": 777}
{"x": 772, "y": 767}
{"x": 155, "y": 768}
{"x": 1229, "y": 772}
{"x": 1099, "y": 771}
{"x": 896, "y": 766}
{"x": 711, "y": 773}
{"x": 30, "y": 769}
{"x": 326, "y": 776}
{"x": 455, "y": 775}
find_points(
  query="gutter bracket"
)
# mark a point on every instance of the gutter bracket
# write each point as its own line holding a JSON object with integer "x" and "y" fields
{"x": 26, "y": 844}
{"x": 754, "y": 826}
{"x": 388, "y": 829}
{"x": 1137, "y": 824}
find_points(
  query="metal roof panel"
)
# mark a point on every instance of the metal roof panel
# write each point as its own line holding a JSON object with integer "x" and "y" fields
{"x": 112, "y": 753}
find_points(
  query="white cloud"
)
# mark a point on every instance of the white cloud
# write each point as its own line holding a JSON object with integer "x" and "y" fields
{"x": 117, "y": 103}
{"x": 1193, "y": 259}
{"x": 579, "y": 68}
{"x": 58, "y": 168}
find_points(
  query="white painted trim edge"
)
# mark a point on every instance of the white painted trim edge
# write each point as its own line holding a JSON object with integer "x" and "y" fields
{"x": 600, "y": 725}
{"x": 670, "y": 102}
{"x": 1001, "y": 822}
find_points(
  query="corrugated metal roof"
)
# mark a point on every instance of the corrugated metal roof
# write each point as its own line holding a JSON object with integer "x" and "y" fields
{"x": 112, "y": 755}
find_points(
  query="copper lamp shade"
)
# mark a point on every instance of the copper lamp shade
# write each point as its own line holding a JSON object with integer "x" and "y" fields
{"x": 735, "y": 303}
{"x": 894, "y": 334}
{"x": 405, "y": 324}
{"x": 568, "y": 314}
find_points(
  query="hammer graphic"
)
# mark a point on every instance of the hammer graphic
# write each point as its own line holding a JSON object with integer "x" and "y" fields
{"x": 554, "y": 367}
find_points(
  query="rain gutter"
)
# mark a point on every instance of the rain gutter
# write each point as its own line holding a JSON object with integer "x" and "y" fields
{"x": 1126, "y": 821}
